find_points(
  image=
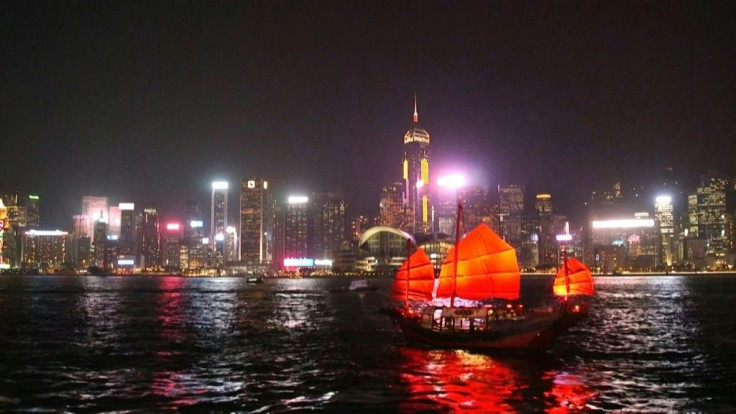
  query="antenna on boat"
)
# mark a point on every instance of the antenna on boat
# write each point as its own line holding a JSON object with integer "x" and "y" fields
{"x": 458, "y": 220}
{"x": 408, "y": 271}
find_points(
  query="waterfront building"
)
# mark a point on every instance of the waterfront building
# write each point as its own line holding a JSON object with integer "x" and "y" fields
{"x": 415, "y": 165}
{"x": 478, "y": 208}
{"x": 511, "y": 208}
{"x": 126, "y": 239}
{"x": 664, "y": 219}
{"x": 113, "y": 221}
{"x": 295, "y": 227}
{"x": 99, "y": 243}
{"x": 256, "y": 223}
{"x": 393, "y": 208}
{"x": 381, "y": 249}
{"x": 326, "y": 223}
{"x": 149, "y": 253}
{"x": 218, "y": 220}
{"x": 638, "y": 237}
{"x": 171, "y": 247}
{"x": 193, "y": 235}
{"x": 45, "y": 250}
{"x": 231, "y": 244}
{"x": 358, "y": 225}
{"x": 33, "y": 215}
{"x": 93, "y": 208}
{"x": 711, "y": 216}
{"x": 547, "y": 242}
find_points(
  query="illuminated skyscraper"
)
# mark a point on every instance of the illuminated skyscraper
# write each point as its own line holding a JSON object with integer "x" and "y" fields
{"x": 296, "y": 238}
{"x": 171, "y": 246}
{"x": 416, "y": 175}
{"x": 93, "y": 208}
{"x": 126, "y": 241}
{"x": 32, "y": 211}
{"x": 99, "y": 245}
{"x": 326, "y": 224}
{"x": 256, "y": 222}
{"x": 149, "y": 252}
{"x": 393, "y": 210}
{"x": 711, "y": 213}
{"x": 218, "y": 220}
{"x": 511, "y": 208}
{"x": 664, "y": 219}
{"x": 193, "y": 235}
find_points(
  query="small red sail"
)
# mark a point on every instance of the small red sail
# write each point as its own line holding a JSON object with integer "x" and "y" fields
{"x": 418, "y": 269}
{"x": 486, "y": 268}
{"x": 581, "y": 281}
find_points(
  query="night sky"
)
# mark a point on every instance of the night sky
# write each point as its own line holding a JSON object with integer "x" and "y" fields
{"x": 150, "y": 101}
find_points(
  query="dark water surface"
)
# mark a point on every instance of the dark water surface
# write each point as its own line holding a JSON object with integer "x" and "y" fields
{"x": 90, "y": 344}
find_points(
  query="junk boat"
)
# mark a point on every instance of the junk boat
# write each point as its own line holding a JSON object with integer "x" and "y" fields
{"x": 481, "y": 280}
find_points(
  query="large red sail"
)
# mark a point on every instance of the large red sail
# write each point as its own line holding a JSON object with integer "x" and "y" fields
{"x": 486, "y": 268}
{"x": 581, "y": 281}
{"x": 419, "y": 271}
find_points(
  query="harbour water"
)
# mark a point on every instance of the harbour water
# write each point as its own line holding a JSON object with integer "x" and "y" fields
{"x": 141, "y": 344}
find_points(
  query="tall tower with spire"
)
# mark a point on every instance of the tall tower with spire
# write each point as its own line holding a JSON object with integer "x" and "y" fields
{"x": 416, "y": 174}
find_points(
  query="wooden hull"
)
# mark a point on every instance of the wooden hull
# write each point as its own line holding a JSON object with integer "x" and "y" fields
{"x": 531, "y": 332}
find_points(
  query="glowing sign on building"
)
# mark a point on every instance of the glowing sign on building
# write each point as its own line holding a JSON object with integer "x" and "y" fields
{"x": 126, "y": 206}
{"x": 323, "y": 262}
{"x": 297, "y": 199}
{"x": 219, "y": 185}
{"x": 46, "y": 233}
{"x": 451, "y": 181}
{"x": 195, "y": 224}
{"x": 623, "y": 224}
{"x": 172, "y": 226}
{"x": 298, "y": 262}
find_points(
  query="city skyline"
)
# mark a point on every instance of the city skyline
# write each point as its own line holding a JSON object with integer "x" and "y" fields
{"x": 151, "y": 103}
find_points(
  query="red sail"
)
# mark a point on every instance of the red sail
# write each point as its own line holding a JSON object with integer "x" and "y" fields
{"x": 486, "y": 268}
{"x": 581, "y": 281}
{"x": 419, "y": 271}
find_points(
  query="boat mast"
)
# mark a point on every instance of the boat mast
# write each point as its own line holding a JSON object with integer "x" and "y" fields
{"x": 408, "y": 272}
{"x": 457, "y": 241}
{"x": 567, "y": 271}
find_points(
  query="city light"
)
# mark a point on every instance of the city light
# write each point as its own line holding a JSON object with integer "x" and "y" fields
{"x": 205, "y": 240}
{"x": 219, "y": 185}
{"x": 126, "y": 206}
{"x": 195, "y": 224}
{"x": 563, "y": 237}
{"x": 230, "y": 229}
{"x": 298, "y": 262}
{"x": 172, "y": 226}
{"x": 298, "y": 199}
{"x": 664, "y": 199}
{"x": 46, "y": 233}
{"x": 219, "y": 237}
{"x": 451, "y": 181}
{"x": 323, "y": 262}
{"x": 623, "y": 224}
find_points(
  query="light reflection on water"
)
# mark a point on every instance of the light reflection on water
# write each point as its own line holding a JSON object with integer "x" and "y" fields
{"x": 141, "y": 344}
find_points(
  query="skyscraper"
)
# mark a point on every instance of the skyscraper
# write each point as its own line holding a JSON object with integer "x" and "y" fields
{"x": 126, "y": 242}
{"x": 193, "y": 235}
{"x": 218, "y": 220}
{"x": 296, "y": 237}
{"x": 511, "y": 208}
{"x": 393, "y": 210}
{"x": 664, "y": 219}
{"x": 93, "y": 208}
{"x": 416, "y": 175}
{"x": 256, "y": 222}
{"x": 149, "y": 253}
{"x": 327, "y": 224}
{"x": 711, "y": 213}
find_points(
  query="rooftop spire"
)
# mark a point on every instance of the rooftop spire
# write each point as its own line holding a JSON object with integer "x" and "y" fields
{"x": 416, "y": 114}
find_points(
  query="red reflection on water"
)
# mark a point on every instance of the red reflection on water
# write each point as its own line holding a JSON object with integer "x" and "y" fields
{"x": 169, "y": 310}
{"x": 568, "y": 392}
{"x": 458, "y": 381}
